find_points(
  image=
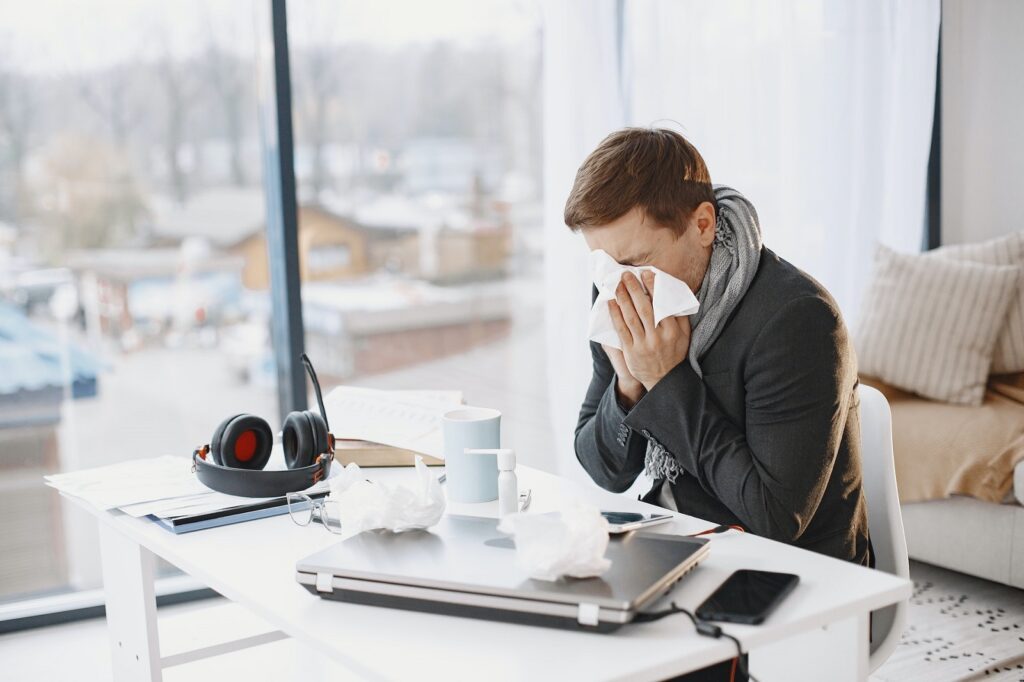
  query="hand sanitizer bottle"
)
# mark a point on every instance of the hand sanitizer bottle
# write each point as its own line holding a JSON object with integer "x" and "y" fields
{"x": 508, "y": 484}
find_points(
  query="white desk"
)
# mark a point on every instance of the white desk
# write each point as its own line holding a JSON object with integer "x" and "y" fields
{"x": 819, "y": 632}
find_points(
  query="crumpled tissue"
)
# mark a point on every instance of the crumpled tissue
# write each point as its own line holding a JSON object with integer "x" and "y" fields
{"x": 671, "y": 296}
{"x": 571, "y": 542}
{"x": 368, "y": 505}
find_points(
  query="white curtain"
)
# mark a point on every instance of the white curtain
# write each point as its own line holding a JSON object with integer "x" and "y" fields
{"x": 582, "y": 104}
{"x": 819, "y": 111}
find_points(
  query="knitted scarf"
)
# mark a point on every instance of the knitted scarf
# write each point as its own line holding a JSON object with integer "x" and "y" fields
{"x": 735, "y": 255}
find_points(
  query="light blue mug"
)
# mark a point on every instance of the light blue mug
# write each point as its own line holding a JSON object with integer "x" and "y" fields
{"x": 471, "y": 477}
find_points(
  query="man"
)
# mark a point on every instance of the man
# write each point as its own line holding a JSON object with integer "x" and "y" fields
{"x": 745, "y": 412}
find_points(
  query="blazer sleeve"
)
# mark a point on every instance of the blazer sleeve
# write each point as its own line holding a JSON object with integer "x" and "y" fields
{"x": 771, "y": 473}
{"x": 609, "y": 451}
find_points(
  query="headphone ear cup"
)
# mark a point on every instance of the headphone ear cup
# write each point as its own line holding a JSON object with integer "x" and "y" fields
{"x": 218, "y": 435}
{"x": 320, "y": 431}
{"x": 305, "y": 459}
{"x": 298, "y": 440}
{"x": 246, "y": 443}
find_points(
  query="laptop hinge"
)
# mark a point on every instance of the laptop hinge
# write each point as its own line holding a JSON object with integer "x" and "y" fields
{"x": 324, "y": 582}
{"x": 588, "y": 614}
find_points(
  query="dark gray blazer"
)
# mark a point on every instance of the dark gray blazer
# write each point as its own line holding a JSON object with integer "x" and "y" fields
{"x": 769, "y": 438}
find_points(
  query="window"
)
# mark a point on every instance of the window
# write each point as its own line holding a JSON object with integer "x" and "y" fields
{"x": 418, "y": 145}
{"x": 130, "y": 199}
{"x": 134, "y": 305}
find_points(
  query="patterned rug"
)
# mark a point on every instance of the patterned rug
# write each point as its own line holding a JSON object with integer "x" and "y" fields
{"x": 958, "y": 628}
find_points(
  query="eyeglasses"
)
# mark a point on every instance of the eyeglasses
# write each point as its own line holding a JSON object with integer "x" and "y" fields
{"x": 303, "y": 509}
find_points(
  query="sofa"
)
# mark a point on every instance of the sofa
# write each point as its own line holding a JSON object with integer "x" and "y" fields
{"x": 960, "y": 470}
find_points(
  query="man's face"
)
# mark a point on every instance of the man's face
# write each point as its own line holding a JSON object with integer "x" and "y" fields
{"x": 634, "y": 239}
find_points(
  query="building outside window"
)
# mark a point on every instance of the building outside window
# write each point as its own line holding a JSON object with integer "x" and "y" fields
{"x": 134, "y": 288}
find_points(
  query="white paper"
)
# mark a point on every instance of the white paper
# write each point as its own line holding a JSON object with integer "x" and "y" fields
{"x": 402, "y": 419}
{"x": 205, "y": 503}
{"x": 367, "y": 505}
{"x": 162, "y": 486}
{"x": 672, "y": 298}
{"x": 157, "y": 507}
{"x": 130, "y": 482}
{"x": 571, "y": 542}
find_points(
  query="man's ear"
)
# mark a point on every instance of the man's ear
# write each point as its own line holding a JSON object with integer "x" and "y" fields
{"x": 704, "y": 218}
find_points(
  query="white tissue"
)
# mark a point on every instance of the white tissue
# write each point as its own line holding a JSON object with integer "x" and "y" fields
{"x": 367, "y": 505}
{"x": 571, "y": 542}
{"x": 671, "y": 296}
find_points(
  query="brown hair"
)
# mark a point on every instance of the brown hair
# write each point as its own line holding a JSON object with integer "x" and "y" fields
{"x": 653, "y": 168}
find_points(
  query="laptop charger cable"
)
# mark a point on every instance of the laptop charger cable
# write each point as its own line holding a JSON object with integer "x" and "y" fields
{"x": 705, "y": 629}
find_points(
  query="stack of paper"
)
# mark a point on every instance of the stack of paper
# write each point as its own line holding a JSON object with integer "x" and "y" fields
{"x": 131, "y": 482}
{"x": 164, "y": 487}
{"x": 403, "y": 419}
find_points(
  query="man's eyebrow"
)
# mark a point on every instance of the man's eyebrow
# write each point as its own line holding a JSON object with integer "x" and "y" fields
{"x": 635, "y": 260}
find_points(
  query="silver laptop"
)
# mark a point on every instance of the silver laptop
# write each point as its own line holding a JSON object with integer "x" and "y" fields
{"x": 463, "y": 566}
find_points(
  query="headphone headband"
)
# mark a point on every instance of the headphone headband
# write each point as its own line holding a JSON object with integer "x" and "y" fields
{"x": 316, "y": 388}
{"x": 256, "y": 483}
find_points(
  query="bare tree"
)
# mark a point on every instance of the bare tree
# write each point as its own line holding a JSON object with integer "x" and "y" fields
{"x": 224, "y": 74}
{"x": 177, "y": 102}
{"x": 109, "y": 97}
{"x": 91, "y": 198}
{"x": 318, "y": 82}
{"x": 317, "y": 76}
{"x": 17, "y": 126}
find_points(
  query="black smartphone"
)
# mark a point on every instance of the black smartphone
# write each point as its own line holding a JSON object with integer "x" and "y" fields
{"x": 623, "y": 522}
{"x": 747, "y": 597}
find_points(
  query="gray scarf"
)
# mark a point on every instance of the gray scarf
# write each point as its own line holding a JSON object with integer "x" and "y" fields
{"x": 735, "y": 255}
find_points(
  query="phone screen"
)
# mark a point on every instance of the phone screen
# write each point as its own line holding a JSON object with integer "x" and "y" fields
{"x": 747, "y": 596}
{"x": 621, "y": 518}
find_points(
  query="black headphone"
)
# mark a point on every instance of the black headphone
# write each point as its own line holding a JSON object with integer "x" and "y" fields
{"x": 241, "y": 446}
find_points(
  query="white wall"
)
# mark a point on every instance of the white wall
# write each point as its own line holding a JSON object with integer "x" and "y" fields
{"x": 982, "y": 119}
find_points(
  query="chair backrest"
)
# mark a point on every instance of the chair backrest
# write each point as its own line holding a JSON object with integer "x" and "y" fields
{"x": 885, "y": 521}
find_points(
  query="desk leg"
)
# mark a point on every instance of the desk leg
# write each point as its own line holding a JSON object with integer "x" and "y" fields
{"x": 838, "y": 651}
{"x": 128, "y": 570}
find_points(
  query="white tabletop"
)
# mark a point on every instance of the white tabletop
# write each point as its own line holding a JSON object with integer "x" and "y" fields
{"x": 253, "y": 564}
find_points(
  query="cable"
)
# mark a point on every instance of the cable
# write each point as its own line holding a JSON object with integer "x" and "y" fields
{"x": 738, "y": 661}
{"x": 704, "y": 628}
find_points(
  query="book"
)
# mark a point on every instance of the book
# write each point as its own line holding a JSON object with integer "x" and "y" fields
{"x": 367, "y": 454}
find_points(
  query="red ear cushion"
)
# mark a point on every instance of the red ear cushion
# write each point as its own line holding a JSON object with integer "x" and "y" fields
{"x": 246, "y": 443}
{"x": 245, "y": 446}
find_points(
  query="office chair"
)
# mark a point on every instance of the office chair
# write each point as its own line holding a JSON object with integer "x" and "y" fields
{"x": 885, "y": 521}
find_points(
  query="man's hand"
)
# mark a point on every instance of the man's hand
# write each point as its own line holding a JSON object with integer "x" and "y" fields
{"x": 628, "y": 388}
{"x": 650, "y": 351}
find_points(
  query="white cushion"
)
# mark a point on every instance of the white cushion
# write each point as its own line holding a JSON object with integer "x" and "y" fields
{"x": 1008, "y": 356}
{"x": 1018, "y": 482}
{"x": 929, "y": 325}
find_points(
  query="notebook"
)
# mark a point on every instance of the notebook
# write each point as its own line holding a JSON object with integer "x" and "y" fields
{"x": 224, "y": 517}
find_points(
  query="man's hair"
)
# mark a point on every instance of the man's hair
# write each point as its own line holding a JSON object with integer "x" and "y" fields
{"x": 653, "y": 168}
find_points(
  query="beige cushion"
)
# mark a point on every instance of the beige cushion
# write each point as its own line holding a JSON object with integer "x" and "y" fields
{"x": 944, "y": 450}
{"x": 929, "y": 325}
{"x": 1008, "y": 355}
